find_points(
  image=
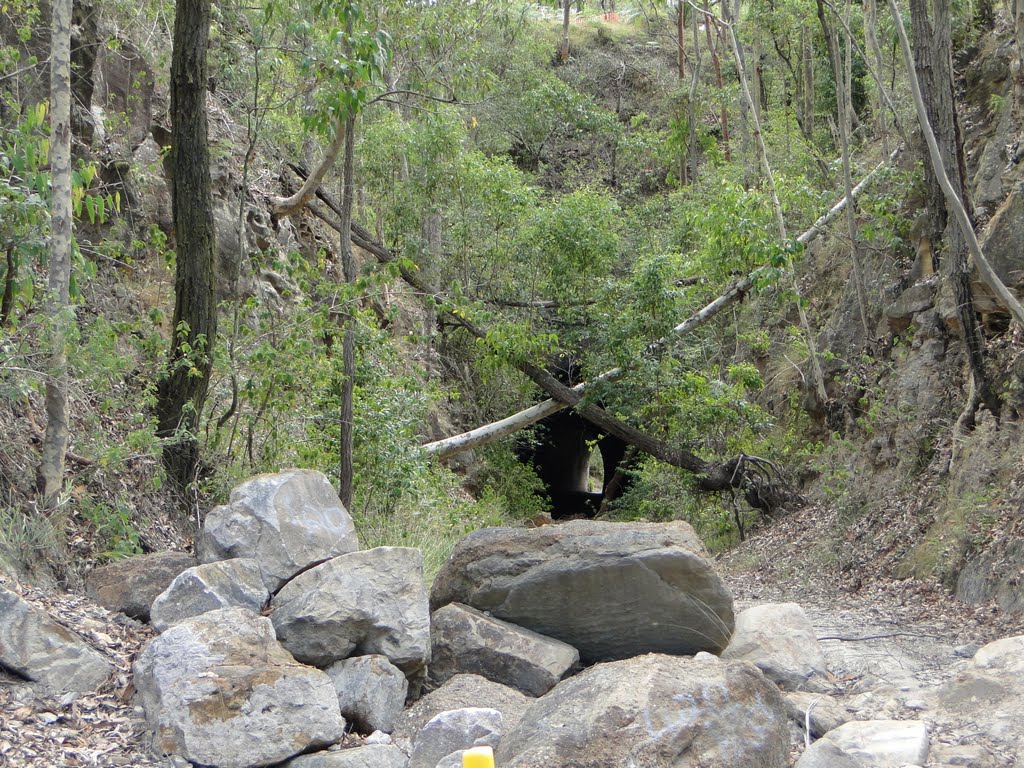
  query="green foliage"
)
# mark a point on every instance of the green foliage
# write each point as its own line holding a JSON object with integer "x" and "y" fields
{"x": 114, "y": 528}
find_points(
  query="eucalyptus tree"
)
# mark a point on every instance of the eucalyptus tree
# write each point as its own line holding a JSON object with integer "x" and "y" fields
{"x": 182, "y": 392}
{"x": 58, "y": 302}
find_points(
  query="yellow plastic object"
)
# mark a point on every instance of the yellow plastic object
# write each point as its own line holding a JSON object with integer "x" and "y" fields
{"x": 478, "y": 757}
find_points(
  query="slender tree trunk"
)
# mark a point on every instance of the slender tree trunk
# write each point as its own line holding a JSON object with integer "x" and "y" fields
{"x": 844, "y": 108}
{"x": 710, "y": 21}
{"x": 807, "y": 62}
{"x": 563, "y": 48}
{"x": 681, "y": 40}
{"x": 50, "y": 476}
{"x": 691, "y": 106}
{"x": 181, "y": 395}
{"x": 1018, "y": 74}
{"x": 286, "y": 206}
{"x": 348, "y": 348}
{"x": 10, "y": 277}
{"x": 875, "y": 52}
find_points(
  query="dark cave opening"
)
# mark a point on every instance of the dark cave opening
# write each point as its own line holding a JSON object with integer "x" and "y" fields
{"x": 561, "y": 455}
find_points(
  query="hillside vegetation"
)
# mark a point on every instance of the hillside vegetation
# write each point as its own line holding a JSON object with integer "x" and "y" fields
{"x": 516, "y": 205}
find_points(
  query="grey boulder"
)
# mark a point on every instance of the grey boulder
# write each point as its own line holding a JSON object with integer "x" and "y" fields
{"x": 460, "y": 692}
{"x": 228, "y": 584}
{"x": 130, "y": 586}
{"x": 39, "y": 649}
{"x": 779, "y": 640}
{"x": 822, "y": 712}
{"x": 825, "y": 754}
{"x": 654, "y": 710}
{"x": 881, "y": 743}
{"x": 371, "y": 691}
{"x": 370, "y": 756}
{"x": 993, "y": 684}
{"x": 219, "y": 690}
{"x": 286, "y": 521}
{"x": 611, "y": 590}
{"x": 373, "y": 602}
{"x": 454, "y": 731}
{"x": 464, "y": 640}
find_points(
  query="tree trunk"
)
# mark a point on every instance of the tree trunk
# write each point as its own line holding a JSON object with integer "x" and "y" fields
{"x": 681, "y": 40}
{"x": 874, "y": 50}
{"x": 691, "y": 106}
{"x": 181, "y": 395}
{"x": 807, "y": 61}
{"x": 348, "y": 348}
{"x": 50, "y": 476}
{"x": 844, "y": 109}
{"x": 711, "y": 21}
{"x": 563, "y": 48}
{"x": 286, "y": 206}
{"x": 10, "y": 276}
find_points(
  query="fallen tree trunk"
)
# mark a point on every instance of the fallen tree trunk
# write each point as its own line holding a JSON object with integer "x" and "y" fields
{"x": 715, "y": 476}
{"x": 489, "y": 433}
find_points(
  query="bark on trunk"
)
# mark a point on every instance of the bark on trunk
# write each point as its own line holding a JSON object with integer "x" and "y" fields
{"x": 563, "y": 48}
{"x": 50, "y": 477}
{"x": 10, "y": 276}
{"x": 807, "y": 59}
{"x": 348, "y": 347}
{"x": 181, "y": 395}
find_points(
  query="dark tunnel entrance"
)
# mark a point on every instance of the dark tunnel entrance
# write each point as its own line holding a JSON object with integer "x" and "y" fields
{"x": 561, "y": 456}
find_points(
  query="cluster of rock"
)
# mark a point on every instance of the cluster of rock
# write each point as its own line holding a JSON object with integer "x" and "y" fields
{"x": 583, "y": 644}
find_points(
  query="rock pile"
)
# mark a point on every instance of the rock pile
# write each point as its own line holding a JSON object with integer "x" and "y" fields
{"x": 583, "y": 644}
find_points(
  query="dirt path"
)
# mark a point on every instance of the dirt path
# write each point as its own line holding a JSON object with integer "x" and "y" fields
{"x": 890, "y": 645}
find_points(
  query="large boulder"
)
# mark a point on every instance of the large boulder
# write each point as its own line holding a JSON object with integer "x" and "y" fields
{"x": 611, "y": 590}
{"x": 455, "y": 731}
{"x": 371, "y": 692}
{"x": 465, "y": 640}
{"x": 130, "y": 586}
{"x": 219, "y": 690}
{"x": 780, "y": 641}
{"x": 37, "y": 648}
{"x": 374, "y": 601}
{"x": 234, "y": 583}
{"x": 654, "y": 710}
{"x": 992, "y": 684}
{"x": 458, "y": 693}
{"x": 286, "y": 521}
